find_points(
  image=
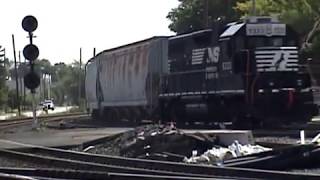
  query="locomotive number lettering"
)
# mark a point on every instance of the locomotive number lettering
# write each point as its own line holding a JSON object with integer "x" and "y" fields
{"x": 226, "y": 66}
{"x": 211, "y": 72}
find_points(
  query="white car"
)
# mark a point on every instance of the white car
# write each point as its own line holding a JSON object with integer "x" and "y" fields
{"x": 48, "y": 104}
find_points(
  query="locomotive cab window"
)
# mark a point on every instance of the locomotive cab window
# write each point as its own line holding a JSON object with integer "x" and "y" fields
{"x": 239, "y": 44}
{"x": 226, "y": 47}
{"x": 255, "y": 42}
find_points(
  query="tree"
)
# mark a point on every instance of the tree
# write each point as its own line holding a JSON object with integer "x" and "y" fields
{"x": 43, "y": 66}
{"x": 12, "y": 100}
{"x": 190, "y": 14}
{"x": 302, "y": 15}
{"x": 3, "y": 79}
{"x": 66, "y": 83}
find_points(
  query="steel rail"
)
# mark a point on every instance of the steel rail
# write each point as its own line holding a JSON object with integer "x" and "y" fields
{"x": 84, "y": 174}
{"x": 15, "y": 176}
{"x": 91, "y": 166}
{"x": 55, "y": 173}
{"x": 173, "y": 167}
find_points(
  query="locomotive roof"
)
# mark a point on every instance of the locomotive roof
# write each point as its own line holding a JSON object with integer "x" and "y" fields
{"x": 190, "y": 34}
{"x": 232, "y": 30}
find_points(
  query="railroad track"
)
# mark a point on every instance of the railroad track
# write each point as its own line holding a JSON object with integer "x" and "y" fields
{"x": 311, "y": 128}
{"x": 111, "y": 164}
{"x": 284, "y": 133}
{"x": 14, "y": 176}
{"x": 4, "y": 124}
{"x": 80, "y": 174}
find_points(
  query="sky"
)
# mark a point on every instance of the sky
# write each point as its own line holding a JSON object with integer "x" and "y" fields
{"x": 65, "y": 26}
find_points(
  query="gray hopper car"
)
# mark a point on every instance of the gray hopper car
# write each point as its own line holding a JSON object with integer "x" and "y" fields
{"x": 124, "y": 82}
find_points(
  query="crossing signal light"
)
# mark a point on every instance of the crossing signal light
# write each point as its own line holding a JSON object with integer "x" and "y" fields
{"x": 29, "y": 23}
{"x": 31, "y": 80}
{"x": 31, "y": 52}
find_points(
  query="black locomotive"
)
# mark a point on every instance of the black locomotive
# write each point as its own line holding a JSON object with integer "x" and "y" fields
{"x": 245, "y": 71}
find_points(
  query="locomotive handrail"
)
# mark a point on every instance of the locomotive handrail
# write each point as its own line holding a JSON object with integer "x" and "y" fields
{"x": 85, "y": 75}
{"x": 187, "y": 72}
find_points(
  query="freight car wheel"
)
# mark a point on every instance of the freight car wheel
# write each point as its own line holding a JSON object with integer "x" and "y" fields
{"x": 173, "y": 115}
{"x": 246, "y": 122}
{"x": 177, "y": 114}
{"x": 257, "y": 123}
{"x": 95, "y": 114}
{"x": 112, "y": 116}
{"x": 237, "y": 122}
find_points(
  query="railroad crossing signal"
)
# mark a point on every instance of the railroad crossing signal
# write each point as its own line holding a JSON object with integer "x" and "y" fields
{"x": 31, "y": 53}
{"x": 31, "y": 80}
{"x": 29, "y": 23}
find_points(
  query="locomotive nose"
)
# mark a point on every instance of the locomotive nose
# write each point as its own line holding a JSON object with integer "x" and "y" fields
{"x": 278, "y": 68}
{"x": 277, "y": 59}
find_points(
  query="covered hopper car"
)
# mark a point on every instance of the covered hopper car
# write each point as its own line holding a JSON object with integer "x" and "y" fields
{"x": 124, "y": 82}
{"x": 244, "y": 71}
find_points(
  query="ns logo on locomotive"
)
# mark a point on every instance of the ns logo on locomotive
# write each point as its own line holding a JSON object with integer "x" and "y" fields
{"x": 243, "y": 71}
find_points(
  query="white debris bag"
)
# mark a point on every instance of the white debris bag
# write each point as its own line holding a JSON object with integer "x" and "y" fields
{"x": 241, "y": 150}
{"x": 211, "y": 156}
{"x": 216, "y": 155}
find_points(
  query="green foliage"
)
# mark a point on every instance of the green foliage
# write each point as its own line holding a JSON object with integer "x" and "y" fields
{"x": 189, "y": 15}
{"x": 315, "y": 47}
{"x": 66, "y": 83}
{"x": 3, "y": 78}
{"x": 12, "y": 101}
{"x": 302, "y": 15}
{"x": 43, "y": 66}
{"x": 293, "y": 12}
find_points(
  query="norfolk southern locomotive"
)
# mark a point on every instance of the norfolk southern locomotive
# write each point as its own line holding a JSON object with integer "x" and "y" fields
{"x": 248, "y": 70}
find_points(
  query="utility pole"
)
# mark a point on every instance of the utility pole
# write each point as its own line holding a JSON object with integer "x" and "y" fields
{"x": 253, "y": 7}
{"x": 44, "y": 85}
{"x": 49, "y": 85}
{"x": 7, "y": 76}
{"x": 20, "y": 79}
{"x": 206, "y": 13}
{"x": 4, "y": 58}
{"x": 80, "y": 61}
{"x": 24, "y": 87}
{"x": 16, "y": 72}
{"x": 229, "y": 9}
